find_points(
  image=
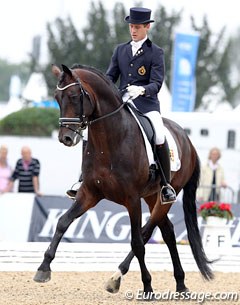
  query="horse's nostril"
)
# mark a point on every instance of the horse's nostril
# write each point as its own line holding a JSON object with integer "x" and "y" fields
{"x": 67, "y": 140}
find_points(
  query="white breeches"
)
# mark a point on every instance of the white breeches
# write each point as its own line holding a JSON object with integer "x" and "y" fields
{"x": 157, "y": 122}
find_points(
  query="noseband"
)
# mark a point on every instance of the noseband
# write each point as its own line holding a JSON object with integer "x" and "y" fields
{"x": 82, "y": 122}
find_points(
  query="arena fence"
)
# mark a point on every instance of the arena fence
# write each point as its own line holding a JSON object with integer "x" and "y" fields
{"x": 219, "y": 194}
{"x": 27, "y": 256}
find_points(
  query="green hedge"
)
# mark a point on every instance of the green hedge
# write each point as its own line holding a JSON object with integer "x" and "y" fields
{"x": 30, "y": 122}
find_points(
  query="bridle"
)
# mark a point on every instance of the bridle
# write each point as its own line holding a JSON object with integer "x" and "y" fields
{"x": 82, "y": 121}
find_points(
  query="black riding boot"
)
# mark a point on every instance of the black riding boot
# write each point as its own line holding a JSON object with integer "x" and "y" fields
{"x": 72, "y": 193}
{"x": 167, "y": 192}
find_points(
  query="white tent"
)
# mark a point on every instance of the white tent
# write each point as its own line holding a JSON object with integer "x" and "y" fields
{"x": 36, "y": 88}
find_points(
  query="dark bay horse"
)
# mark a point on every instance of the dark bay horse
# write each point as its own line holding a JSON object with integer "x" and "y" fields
{"x": 115, "y": 167}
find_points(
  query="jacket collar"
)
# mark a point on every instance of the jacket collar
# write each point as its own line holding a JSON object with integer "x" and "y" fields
{"x": 147, "y": 44}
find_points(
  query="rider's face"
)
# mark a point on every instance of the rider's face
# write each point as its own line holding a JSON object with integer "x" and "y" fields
{"x": 138, "y": 31}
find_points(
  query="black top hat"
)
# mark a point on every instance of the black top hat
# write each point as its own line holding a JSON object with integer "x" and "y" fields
{"x": 139, "y": 15}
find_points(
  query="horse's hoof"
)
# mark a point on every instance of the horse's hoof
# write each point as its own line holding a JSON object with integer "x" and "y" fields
{"x": 182, "y": 290}
{"x": 148, "y": 296}
{"x": 183, "y": 294}
{"x": 42, "y": 276}
{"x": 113, "y": 284}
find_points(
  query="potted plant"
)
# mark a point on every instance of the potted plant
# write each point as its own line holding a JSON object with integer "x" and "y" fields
{"x": 216, "y": 234}
{"x": 211, "y": 209}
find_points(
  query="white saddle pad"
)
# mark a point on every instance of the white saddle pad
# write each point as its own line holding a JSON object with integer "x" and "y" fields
{"x": 174, "y": 156}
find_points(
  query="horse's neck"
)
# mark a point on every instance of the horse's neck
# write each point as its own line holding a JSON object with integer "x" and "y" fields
{"x": 115, "y": 129}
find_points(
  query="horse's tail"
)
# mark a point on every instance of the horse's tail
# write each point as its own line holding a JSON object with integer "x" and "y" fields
{"x": 190, "y": 215}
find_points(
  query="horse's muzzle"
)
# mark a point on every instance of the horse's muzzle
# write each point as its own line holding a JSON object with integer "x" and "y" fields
{"x": 70, "y": 132}
{"x": 69, "y": 138}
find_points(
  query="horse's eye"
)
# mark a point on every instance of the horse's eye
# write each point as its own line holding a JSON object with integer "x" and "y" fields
{"x": 73, "y": 95}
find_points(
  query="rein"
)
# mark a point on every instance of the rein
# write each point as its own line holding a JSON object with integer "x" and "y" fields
{"x": 107, "y": 115}
{"x": 66, "y": 122}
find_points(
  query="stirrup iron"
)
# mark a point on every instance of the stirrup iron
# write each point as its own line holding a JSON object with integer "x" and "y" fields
{"x": 73, "y": 192}
{"x": 163, "y": 199}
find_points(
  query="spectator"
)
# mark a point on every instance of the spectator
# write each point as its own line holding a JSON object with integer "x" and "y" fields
{"x": 5, "y": 170}
{"x": 27, "y": 171}
{"x": 212, "y": 177}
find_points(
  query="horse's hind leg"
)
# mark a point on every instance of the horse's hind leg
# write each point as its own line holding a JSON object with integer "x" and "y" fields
{"x": 168, "y": 235}
{"x": 113, "y": 284}
{"x": 44, "y": 271}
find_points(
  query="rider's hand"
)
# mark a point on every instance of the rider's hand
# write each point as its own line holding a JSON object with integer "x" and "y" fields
{"x": 135, "y": 91}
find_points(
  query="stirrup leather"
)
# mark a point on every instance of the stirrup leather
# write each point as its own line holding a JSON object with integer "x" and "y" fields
{"x": 163, "y": 199}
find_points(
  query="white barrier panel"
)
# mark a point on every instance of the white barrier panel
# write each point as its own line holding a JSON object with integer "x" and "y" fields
{"x": 60, "y": 165}
{"x": 15, "y": 216}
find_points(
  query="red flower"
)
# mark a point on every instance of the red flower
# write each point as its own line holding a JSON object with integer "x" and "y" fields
{"x": 225, "y": 206}
{"x": 212, "y": 208}
{"x": 207, "y": 205}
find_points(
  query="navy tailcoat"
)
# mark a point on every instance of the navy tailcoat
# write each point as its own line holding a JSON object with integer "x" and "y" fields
{"x": 146, "y": 69}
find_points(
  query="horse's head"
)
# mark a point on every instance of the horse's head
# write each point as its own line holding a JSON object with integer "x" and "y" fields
{"x": 75, "y": 105}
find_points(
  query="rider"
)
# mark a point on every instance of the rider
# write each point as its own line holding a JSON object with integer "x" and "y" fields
{"x": 140, "y": 66}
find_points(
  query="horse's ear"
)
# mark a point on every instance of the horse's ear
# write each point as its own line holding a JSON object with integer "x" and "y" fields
{"x": 56, "y": 70}
{"x": 67, "y": 70}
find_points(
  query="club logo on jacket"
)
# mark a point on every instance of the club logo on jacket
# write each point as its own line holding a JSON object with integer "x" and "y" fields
{"x": 142, "y": 70}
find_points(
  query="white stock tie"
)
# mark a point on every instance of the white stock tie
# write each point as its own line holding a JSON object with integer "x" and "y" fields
{"x": 135, "y": 46}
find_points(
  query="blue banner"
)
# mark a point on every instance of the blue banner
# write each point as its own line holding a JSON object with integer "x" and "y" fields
{"x": 183, "y": 79}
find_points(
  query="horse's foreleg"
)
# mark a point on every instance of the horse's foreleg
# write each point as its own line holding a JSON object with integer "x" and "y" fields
{"x": 147, "y": 230}
{"x": 168, "y": 235}
{"x": 44, "y": 272}
{"x": 138, "y": 248}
